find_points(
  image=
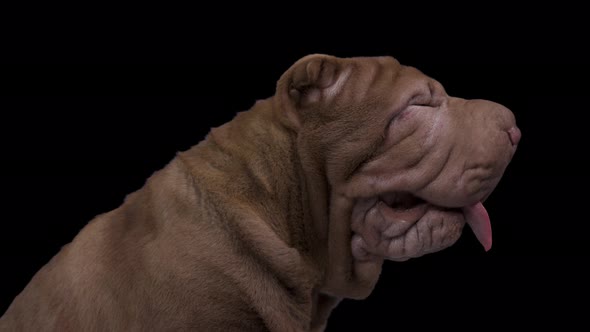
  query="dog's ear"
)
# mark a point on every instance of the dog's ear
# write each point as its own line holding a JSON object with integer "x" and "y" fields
{"x": 302, "y": 86}
{"x": 309, "y": 76}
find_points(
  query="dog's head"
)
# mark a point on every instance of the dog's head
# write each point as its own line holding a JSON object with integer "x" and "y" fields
{"x": 405, "y": 164}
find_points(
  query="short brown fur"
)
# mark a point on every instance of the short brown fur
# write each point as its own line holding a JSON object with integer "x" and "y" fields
{"x": 247, "y": 231}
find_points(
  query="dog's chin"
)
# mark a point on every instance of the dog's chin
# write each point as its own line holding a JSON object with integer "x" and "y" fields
{"x": 399, "y": 226}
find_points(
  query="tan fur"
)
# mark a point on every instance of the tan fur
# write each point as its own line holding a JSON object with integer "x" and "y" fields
{"x": 247, "y": 231}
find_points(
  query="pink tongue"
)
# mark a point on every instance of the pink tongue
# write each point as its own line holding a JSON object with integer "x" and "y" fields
{"x": 478, "y": 219}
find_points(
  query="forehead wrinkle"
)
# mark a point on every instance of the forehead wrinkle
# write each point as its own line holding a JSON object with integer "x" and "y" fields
{"x": 415, "y": 83}
{"x": 397, "y": 71}
{"x": 379, "y": 73}
{"x": 375, "y": 74}
{"x": 334, "y": 90}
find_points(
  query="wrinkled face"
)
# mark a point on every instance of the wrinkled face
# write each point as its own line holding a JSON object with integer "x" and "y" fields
{"x": 408, "y": 165}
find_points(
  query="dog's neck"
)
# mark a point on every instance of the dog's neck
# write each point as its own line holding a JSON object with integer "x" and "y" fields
{"x": 272, "y": 183}
{"x": 284, "y": 186}
{"x": 287, "y": 194}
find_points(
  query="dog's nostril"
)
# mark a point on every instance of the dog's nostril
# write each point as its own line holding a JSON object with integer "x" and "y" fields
{"x": 514, "y": 135}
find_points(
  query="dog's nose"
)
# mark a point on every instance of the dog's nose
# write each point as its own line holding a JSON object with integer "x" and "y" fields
{"x": 514, "y": 135}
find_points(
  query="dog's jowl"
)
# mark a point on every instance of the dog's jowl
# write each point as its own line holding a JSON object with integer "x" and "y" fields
{"x": 284, "y": 211}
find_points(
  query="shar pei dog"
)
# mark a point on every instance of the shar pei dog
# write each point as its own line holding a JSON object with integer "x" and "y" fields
{"x": 278, "y": 215}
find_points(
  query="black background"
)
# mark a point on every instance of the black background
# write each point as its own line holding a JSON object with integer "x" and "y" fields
{"x": 87, "y": 117}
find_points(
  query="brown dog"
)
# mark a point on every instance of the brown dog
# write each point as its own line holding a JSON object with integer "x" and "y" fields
{"x": 279, "y": 214}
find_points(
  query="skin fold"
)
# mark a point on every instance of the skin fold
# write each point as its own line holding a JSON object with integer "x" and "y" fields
{"x": 278, "y": 215}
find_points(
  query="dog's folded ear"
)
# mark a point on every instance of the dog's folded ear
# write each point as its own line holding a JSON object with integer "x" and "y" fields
{"x": 309, "y": 76}
{"x": 303, "y": 84}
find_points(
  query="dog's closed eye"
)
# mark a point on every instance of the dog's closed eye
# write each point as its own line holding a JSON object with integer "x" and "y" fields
{"x": 421, "y": 99}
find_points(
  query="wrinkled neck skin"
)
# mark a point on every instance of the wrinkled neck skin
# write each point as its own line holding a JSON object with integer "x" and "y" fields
{"x": 260, "y": 166}
{"x": 327, "y": 212}
{"x": 308, "y": 216}
{"x": 331, "y": 209}
{"x": 272, "y": 182}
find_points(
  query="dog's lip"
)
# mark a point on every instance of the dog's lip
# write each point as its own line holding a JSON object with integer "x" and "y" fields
{"x": 400, "y": 221}
{"x": 401, "y": 212}
{"x": 404, "y": 210}
{"x": 405, "y": 218}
